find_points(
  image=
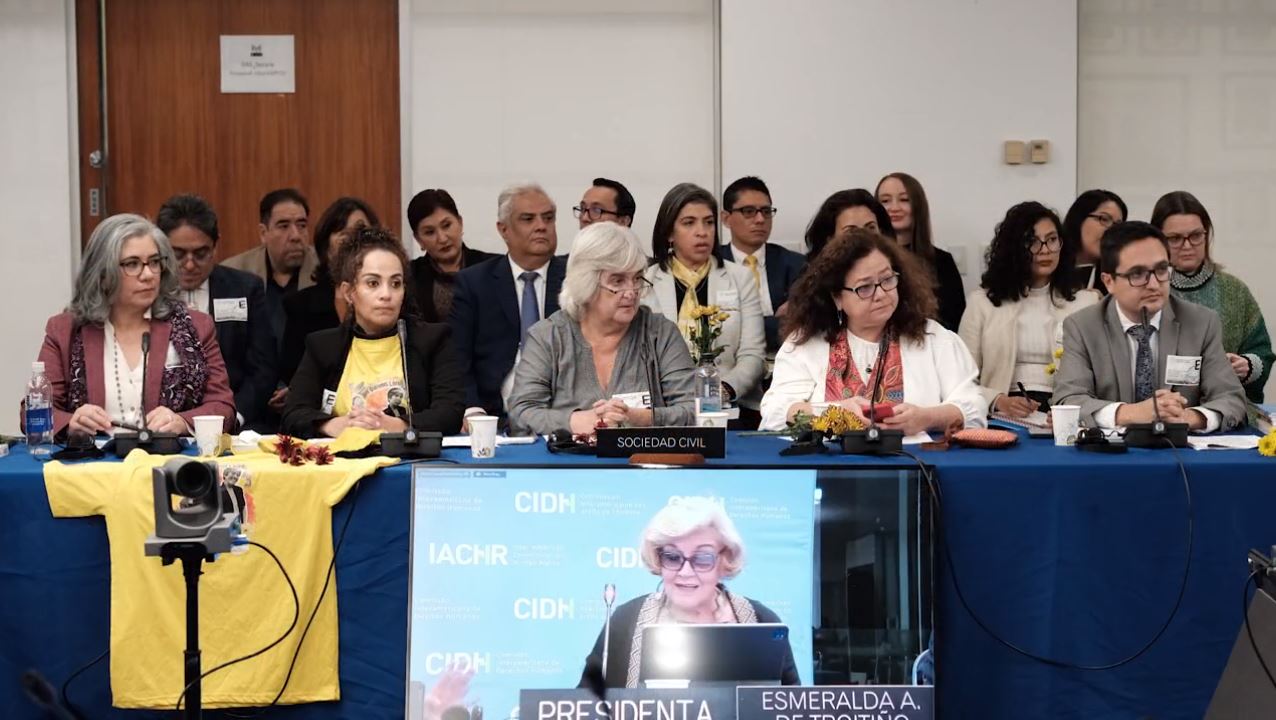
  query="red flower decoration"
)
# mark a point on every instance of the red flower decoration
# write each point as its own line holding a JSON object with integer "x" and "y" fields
{"x": 321, "y": 455}
{"x": 287, "y": 447}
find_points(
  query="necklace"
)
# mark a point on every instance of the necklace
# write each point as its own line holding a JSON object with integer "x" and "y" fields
{"x": 1183, "y": 281}
{"x": 129, "y": 412}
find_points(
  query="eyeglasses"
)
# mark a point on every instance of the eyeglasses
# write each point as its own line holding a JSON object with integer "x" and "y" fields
{"x": 1050, "y": 244}
{"x": 868, "y": 290}
{"x": 750, "y": 211}
{"x": 1103, "y": 219}
{"x": 200, "y": 256}
{"x": 1194, "y": 238}
{"x": 1139, "y": 276}
{"x": 593, "y": 211}
{"x": 639, "y": 286}
{"x": 671, "y": 558}
{"x": 133, "y": 266}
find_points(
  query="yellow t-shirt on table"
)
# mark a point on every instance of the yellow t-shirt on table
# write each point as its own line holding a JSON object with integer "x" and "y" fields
{"x": 244, "y": 600}
{"x": 372, "y": 377}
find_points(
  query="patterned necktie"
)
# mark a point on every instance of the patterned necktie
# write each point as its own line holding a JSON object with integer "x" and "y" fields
{"x": 751, "y": 262}
{"x": 531, "y": 311}
{"x": 1144, "y": 380}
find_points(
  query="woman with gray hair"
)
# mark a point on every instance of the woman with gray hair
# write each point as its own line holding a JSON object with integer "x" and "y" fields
{"x": 692, "y": 545}
{"x": 603, "y": 358}
{"x": 125, "y": 296}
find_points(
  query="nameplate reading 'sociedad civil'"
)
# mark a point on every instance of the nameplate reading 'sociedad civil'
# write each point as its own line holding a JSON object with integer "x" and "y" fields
{"x": 623, "y": 442}
{"x": 849, "y": 702}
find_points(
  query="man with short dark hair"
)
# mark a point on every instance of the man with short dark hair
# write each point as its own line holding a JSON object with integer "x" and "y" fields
{"x": 235, "y": 299}
{"x": 606, "y": 200}
{"x": 748, "y": 213}
{"x": 1122, "y": 369}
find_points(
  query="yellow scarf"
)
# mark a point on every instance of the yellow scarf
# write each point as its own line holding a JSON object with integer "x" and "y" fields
{"x": 690, "y": 279}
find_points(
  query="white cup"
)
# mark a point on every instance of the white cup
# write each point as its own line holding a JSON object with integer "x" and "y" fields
{"x": 713, "y": 419}
{"x": 1067, "y": 423}
{"x": 482, "y": 436}
{"x": 208, "y": 434}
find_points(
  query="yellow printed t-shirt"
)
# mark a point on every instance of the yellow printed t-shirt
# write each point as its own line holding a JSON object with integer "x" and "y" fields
{"x": 244, "y": 601}
{"x": 372, "y": 377}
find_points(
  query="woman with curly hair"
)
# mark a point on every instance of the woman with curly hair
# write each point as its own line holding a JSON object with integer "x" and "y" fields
{"x": 1013, "y": 321}
{"x": 353, "y": 375}
{"x": 861, "y": 309}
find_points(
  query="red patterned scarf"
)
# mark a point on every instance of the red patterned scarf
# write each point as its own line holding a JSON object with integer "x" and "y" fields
{"x": 845, "y": 381}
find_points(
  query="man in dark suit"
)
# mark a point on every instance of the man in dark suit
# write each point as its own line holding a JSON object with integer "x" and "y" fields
{"x": 747, "y": 211}
{"x": 235, "y": 299}
{"x": 1121, "y": 370}
{"x": 495, "y": 302}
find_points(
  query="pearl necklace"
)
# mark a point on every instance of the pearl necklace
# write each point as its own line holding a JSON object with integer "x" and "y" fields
{"x": 129, "y": 412}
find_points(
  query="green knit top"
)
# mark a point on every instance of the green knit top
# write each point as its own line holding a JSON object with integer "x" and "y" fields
{"x": 1244, "y": 331}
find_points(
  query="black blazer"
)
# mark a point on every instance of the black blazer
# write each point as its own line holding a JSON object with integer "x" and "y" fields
{"x": 435, "y": 388}
{"x": 424, "y": 276}
{"x": 949, "y": 292}
{"x": 306, "y": 311}
{"x": 248, "y": 347}
{"x": 783, "y": 266}
{"x": 485, "y": 326}
{"x": 623, "y": 622}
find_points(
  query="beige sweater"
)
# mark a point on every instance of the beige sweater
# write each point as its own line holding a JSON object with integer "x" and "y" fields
{"x": 991, "y": 334}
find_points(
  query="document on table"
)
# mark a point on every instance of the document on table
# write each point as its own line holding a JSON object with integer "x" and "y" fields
{"x": 463, "y": 441}
{"x": 1223, "y": 442}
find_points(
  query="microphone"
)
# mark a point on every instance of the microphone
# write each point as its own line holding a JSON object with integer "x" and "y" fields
{"x": 1156, "y": 434}
{"x": 609, "y": 598}
{"x": 409, "y": 443}
{"x": 156, "y": 443}
{"x": 874, "y": 440}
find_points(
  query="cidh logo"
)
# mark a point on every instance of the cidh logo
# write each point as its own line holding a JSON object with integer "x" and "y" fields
{"x": 549, "y": 503}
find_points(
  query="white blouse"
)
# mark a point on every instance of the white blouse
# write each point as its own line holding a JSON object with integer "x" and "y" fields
{"x": 123, "y": 384}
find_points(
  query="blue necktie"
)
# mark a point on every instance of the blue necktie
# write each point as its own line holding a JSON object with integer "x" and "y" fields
{"x": 531, "y": 311}
{"x": 1144, "y": 382}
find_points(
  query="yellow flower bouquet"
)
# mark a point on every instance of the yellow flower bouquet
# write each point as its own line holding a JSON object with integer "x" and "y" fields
{"x": 706, "y": 327}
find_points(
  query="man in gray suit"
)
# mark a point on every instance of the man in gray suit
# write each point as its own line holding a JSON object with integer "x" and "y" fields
{"x": 1116, "y": 370}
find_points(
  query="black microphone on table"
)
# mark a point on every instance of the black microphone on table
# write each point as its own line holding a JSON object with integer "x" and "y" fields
{"x": 874, "y": 440}
{"x": 155, "y": 443}
{"x": 410, "y": 443}
{"x": 1156, "y": 434}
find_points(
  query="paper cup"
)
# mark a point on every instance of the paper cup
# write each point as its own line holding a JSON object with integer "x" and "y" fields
{"x": 712, "y": 419}
{"x": 482, "y": 436}
{"x": 1067, "y": 423}
{"x": 208, "y": 434}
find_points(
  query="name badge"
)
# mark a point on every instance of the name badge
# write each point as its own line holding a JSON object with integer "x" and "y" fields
{"x": 329, "y": 401}
{"x": 1182, "y": 369}
{"x": 634, "y": 399}
{"x": 230, "y": 309}
{"x": 727, "y": 299}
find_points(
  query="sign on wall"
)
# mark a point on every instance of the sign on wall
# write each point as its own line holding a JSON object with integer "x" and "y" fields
{"x": 258, "y": 64}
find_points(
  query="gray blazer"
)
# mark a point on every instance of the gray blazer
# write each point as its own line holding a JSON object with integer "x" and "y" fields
{"x": 1095, "y": 369}
{"x": 555, "y": 375}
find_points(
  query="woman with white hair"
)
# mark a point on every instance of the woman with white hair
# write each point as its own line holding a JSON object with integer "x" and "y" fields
{"x": 693, "y": 546}
{"x": 602, "y": 358}
{"x": 92, "y": 353}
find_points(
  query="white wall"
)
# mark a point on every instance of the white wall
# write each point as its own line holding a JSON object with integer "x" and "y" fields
{"x": 559, "y": 93}
{"x": 823, "y": 95}
{"x": 1182, "y": 96}
{"x": 36, "y": 184}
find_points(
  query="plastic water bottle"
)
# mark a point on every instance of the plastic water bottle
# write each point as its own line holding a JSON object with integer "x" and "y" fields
{"x": 708, "y": 387}
{"x": 39, "y": 413}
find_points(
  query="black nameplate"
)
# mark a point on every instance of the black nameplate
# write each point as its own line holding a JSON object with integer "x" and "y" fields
{"x": 792, "y": 702}
{"x": 623, "y": 442}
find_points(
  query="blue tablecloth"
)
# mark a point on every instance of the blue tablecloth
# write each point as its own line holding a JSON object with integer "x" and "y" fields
{"x": 1074, "y": 556}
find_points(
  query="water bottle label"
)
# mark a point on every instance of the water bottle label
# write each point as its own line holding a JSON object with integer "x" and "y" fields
{"x": 39, "y": 420}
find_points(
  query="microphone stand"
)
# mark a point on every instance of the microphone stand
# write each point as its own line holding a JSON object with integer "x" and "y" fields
{"x": 874, "y": 440}
{"x": 1156, "y": 434}
{"x": 609, "y": 599}
{"x": 155, "y": 443}
{"x": 410, "y": 443}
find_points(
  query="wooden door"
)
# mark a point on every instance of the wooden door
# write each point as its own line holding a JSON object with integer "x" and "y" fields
{"x": 170, "y": 129}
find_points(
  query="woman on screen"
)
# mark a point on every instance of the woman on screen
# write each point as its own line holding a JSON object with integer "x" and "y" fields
{"x": 93, "y": 353}
{"x": 603, "y": 358}
{"x": 859, "y": 312}
{"x": 693, "y": 546}
{"x": 353, "y": 375}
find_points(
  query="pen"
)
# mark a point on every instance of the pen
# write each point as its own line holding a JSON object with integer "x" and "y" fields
{"x": 1022, "y": 389}
{"x": 126, "y": 426}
